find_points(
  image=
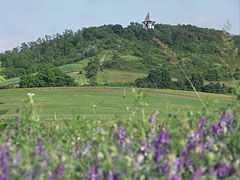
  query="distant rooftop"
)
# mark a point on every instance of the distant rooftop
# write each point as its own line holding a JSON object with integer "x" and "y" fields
{"x": 148, "y": 17}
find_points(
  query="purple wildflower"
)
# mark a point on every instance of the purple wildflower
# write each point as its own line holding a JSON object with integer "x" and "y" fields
{"x": 152, "y": 117}
{"x": 201, "y": 136}
{"x": 110, "y": 175}
{"x": 223, "y": 170}
{"x": 208, "y": 144}
{"x": 44, "y": 163}
{"x": 9, "y": 144}
{"x": 86, "y": 148}
{"x": 16, "y": 116}
{"x": 225, "y": 123}
{"x": 27, "y": 176}
{"x": 50, "y": 177}
{"x": 121, "y": 136}
{"x": 198, "y": 173}
{"x": 36, "y": 172}
{"x": 176, "y": 165}
{"x": 99, "y": 171}
{"x": 175, "y": 177}
{"x": 17, "y": 159}
{"x": 60, "y": 171}
{"x": 164, "y": 168}
{"x": 39, "y": 145}
{"x": 163, "y": 136}
{"x": 229, "y": 119}
{"x": 38, "y": 148}
{"x": 92, "y": 174}
{"x": 115, "y": 132}
{"x": 4, "y": 164}
{"x": 73, "y": 151}
{"x": 201, "y": 128}
{"x": 159, "y": 142}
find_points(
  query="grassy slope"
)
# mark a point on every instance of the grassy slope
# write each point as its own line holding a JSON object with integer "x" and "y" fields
{"x": 107, "y": 76}
{"x": 68, "y": 102}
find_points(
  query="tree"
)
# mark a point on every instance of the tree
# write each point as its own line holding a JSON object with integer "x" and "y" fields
{"x": 27, "y": 81}
{"x": 156, "y": 79}
{"x": 47, "y": 78}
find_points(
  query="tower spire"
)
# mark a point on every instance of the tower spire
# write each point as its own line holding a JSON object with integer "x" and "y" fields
{"x": 149, "y": 22}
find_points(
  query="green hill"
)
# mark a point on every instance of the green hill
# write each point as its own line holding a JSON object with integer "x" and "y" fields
{"x": 131, "y": 49}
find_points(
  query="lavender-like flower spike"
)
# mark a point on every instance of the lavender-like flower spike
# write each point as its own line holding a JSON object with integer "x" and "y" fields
{"x": 152, "y": 117}
{"x": 175, "y": 177}
{"x": 86, "y": 148}
{"x": 60, "y": 171}
{"x": 50, "y": 177}
{"x": 92, "y": 174}
{"x": 16, "y": 116}
{"x": 4, "y": 164}
{"x": 38, "y": 149}
{"x": 110, "y": 175}
{"x": 202, "y": 122}
{"x": 158, "y": 143}
{"x": 17, "y": 159}
{"x": 73, "y": 151}
{"x": 223, "y": 170}
{"x": 121, "y": 136}
{"x": 198, "y": 173}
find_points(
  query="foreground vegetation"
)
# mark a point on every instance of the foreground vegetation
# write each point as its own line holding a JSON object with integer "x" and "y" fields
{"x": 199, "y": 145}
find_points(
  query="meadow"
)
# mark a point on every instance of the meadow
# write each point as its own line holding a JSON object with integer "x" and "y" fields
{"x": 104, "y": 102}
{"x": 117, "y": 133}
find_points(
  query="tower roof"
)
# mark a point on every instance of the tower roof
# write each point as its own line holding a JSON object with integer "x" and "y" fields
{"x": 148, "y": 17}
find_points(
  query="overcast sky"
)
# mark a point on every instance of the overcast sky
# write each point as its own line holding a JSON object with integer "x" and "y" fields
{"x": 27, "y": 20}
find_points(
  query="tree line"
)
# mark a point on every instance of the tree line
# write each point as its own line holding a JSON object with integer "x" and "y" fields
{"x": 161, "y": 79}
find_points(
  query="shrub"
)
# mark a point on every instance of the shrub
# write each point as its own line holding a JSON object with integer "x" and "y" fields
{"x": 47, "y": 78}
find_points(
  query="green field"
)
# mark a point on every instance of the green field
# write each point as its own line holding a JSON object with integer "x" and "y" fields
{"x": 103, "y": 102}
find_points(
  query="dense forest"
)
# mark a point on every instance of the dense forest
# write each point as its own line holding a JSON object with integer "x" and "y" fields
{"x": 198, "y": 47}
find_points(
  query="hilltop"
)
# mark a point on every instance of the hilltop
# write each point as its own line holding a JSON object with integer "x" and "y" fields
{"x": 129, "y": 49}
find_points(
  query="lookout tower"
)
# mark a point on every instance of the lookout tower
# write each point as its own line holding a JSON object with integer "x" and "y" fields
{"x": 148, "y": 22}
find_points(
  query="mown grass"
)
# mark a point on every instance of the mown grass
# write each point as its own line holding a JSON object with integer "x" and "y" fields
{"x": 118, "y": 77}
{"x": 71, "y": 68}
{"x": 68, "y": 103}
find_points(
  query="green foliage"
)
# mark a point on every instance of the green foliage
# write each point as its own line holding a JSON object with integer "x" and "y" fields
{"x": 162, "y": 79}
{"x": 196, "y": 45}
{"x": 92, "y": 70}
{"x": 47, "y": 78}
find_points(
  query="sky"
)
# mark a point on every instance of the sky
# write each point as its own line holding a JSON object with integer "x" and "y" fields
{"x": 27, "y": 20}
